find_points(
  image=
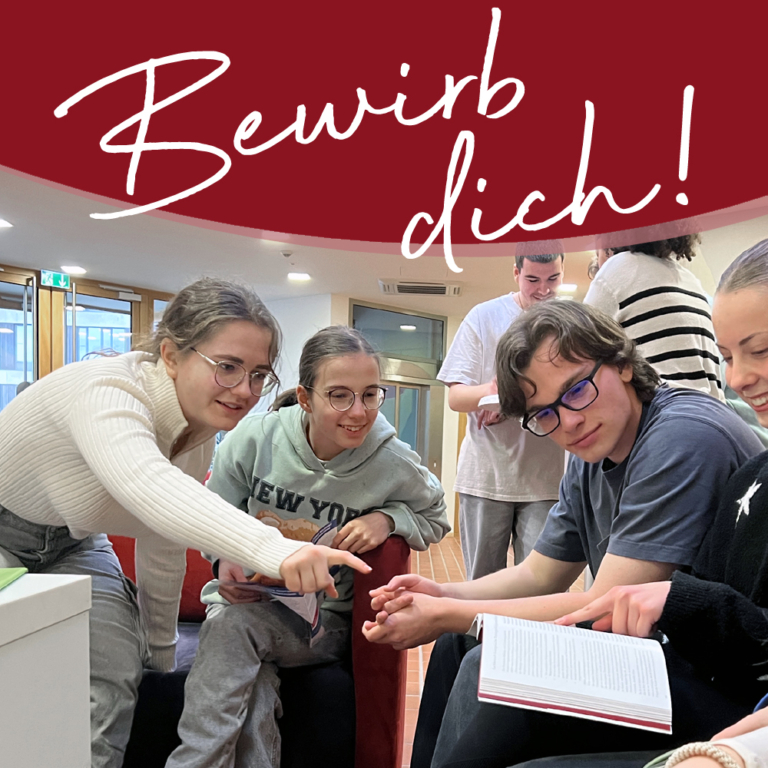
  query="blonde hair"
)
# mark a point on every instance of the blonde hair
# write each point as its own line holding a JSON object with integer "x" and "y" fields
{"x": 201, "y": 309}
{"x": 749, "y": 270}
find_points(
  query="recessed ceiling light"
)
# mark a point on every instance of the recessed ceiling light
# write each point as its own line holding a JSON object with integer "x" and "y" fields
{"x": 74, "y": 270}
{"x": 407, "y": 327}
{"x": 299, "y": 277}
{"x": 4, "y": 224}
{"x": 569, "y": 287}
{"x": 6, "y": 330}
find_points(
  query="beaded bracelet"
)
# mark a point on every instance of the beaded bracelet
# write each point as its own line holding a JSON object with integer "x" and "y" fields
{"x": 701, "y": 749}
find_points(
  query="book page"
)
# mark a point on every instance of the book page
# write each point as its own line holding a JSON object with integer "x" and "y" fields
{"x": 574, "y": 661}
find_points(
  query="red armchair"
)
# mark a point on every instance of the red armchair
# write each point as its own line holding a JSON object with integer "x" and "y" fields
{"x": 378, "y": 671}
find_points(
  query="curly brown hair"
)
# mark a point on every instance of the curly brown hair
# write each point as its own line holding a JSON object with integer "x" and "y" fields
{"x": 577, "y": 332}
{"x": 680, "y": 247}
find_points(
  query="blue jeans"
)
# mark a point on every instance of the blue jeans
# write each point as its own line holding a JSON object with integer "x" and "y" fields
{"x": 118, "y": 644}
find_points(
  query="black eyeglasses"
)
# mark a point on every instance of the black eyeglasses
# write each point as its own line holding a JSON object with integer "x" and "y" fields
{"x": 342, "y": 399}
{"x": 229, "y": 374}
{"x": 546, "y": 420}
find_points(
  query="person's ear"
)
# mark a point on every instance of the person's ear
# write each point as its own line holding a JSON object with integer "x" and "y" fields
{"x": 171, "y": 356}
{"x": 516, "y": 273}
{"x": 626, "y": 372}
{"x": 302, "y": 396}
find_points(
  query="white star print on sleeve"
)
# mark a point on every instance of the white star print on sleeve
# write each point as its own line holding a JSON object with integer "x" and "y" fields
{"x": 744, "y": 501}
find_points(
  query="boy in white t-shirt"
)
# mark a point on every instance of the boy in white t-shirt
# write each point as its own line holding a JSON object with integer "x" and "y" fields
{"x": 506, "y": 479}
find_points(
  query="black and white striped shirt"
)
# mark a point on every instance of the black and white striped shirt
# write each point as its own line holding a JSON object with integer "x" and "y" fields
{"x": 662, "y": 306}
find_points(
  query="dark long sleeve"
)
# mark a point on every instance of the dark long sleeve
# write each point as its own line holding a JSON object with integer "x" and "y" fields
{"x": 717, "y": 618}
{"x": 719, "y": 630}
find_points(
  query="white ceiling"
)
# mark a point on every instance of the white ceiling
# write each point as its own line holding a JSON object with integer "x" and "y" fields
{"x": 53, "y": 228}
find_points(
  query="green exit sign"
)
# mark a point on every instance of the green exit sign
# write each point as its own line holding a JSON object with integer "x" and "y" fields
{"x": 54, "y": 279}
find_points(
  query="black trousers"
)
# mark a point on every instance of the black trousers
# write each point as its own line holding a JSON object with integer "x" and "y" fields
{"x": 608, "y": 760}
{"x": 497, "y": 736}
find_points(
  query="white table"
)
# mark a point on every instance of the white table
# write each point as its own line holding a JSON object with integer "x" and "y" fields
{"x": 44, "y": 672}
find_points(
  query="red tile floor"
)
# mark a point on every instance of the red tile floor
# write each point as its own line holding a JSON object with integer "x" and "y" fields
{"x": 442, "y": 562}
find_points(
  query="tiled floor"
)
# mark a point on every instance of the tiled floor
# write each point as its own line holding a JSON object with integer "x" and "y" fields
{"x": 442, "y": 562}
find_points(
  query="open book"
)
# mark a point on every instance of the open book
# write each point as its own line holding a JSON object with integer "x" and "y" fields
{"x": 571, "y": 671}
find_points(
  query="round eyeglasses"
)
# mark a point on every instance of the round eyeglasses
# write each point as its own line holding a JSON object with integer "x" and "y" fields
{"x": 342, "y": 399}
{"x": 229, "y": 374}
{"x": 546, "y": 420}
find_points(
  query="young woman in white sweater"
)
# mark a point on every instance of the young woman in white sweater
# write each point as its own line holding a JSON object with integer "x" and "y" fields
{"x": 121, "y": 445}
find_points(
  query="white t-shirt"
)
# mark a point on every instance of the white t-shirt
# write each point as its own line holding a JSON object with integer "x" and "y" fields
{"x": 503, "y": 461}
{"x": 663, "y": 308}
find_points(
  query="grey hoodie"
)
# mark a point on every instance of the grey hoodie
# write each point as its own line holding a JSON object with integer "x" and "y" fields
{"x": 266, "y": 467}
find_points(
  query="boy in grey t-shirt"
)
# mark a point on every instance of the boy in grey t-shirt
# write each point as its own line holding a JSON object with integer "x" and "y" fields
{"x": 648, "y": 469}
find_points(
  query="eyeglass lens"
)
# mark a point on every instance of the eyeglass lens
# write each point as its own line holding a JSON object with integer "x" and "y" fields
{"x": 231, "y": 374}
{"x": 343, "y": 399}
{"x": 576, "y": 398}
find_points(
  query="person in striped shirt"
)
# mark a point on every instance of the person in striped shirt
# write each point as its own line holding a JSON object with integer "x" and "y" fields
{"x": 662, "y": 306}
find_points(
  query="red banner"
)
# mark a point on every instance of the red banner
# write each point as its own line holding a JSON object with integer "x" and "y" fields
{"x": 399, "y": 123}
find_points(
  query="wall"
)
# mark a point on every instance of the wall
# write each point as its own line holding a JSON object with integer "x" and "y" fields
{"x": 299, "y": 319}
{"x": 450, "y": 434}
{"x": 720, "y": 247}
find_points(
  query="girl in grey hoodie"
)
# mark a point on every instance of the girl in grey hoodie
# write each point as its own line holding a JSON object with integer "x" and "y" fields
{"x": 324, "y": 454}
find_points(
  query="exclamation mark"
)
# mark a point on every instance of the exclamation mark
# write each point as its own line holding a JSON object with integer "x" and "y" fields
{"x": 685, "y": 141}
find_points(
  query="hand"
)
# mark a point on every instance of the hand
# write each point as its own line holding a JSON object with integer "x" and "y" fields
{"x": 410, "y": 582}
{"x": 627, "y": 610}
{"x": 749, "y": 723}
{"x": 364, "y": 533}
{"x": 307, "y": 570}
{"x": 487, "y": 418}
{"x": 231, "y": 572}
{"x": 418, "y": 622}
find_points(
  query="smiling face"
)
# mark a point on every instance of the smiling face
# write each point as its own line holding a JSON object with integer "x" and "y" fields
{"x": 741, "y": 326}
{"x": 207, "y": 406}
{"x": 605, "y": 429}
{"x": 332, "y": 431}
{"x": 538, "y": 281}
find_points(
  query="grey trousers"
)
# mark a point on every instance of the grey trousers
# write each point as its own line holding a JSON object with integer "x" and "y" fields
{"x": 231, "y": 697}
{"x": 118, "y": 643}
{"x": 487, "y": 525}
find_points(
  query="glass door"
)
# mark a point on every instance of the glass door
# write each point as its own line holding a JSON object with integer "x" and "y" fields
{"x": 18, "y": 335}
{"x": 405, "y": 408}
{"x": 96, "y": 325}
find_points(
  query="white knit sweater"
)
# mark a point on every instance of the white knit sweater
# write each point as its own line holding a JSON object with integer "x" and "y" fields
{"x": 89, "y": 447}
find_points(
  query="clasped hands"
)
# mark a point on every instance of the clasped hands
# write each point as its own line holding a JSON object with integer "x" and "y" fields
{"x": 409, "y": 612}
